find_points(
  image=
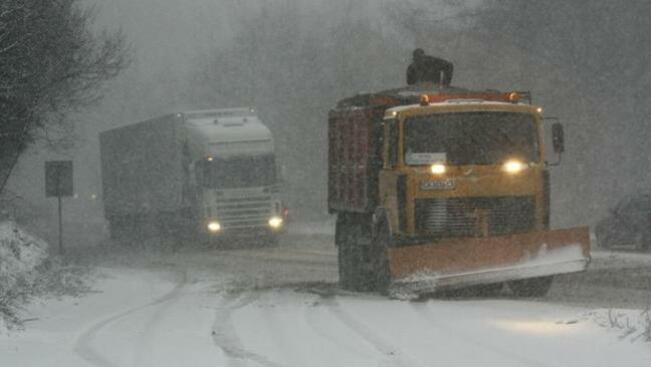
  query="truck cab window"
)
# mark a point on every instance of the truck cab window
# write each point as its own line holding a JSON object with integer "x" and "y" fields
{"x": 469, "y": 138}
{"x": 246, "y": 171}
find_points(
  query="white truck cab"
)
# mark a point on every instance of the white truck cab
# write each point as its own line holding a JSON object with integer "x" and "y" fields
{"x": 235, "y": 172}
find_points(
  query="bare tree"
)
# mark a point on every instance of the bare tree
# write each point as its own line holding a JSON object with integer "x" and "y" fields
{"x": 51, "y": 63}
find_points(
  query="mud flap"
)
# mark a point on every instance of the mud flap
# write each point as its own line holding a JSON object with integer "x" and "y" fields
{"x": 454, "y": 263}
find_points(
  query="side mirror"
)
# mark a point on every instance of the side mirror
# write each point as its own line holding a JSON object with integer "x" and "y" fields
{"x": 558, "y": 138}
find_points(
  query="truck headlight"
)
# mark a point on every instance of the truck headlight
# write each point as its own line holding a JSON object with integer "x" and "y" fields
{"x": 214, "y": 226}
{"x": 275, "y": 222}
{"x": 438, "y": 168}
{"x": 513, "y": 166}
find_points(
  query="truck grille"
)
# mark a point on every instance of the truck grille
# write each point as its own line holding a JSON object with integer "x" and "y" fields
{"x": 461, "y": 217}
{"x": 244, "y": 212}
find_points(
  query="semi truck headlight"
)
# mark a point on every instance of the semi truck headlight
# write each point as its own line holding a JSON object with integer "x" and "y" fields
{"x": 438, "y": 168}
{"x": 275, "y": 222}
{"x": 513, "y": 166}
{"x": 214, "y": 226}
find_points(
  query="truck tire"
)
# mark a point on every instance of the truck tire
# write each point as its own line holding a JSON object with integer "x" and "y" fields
{"x": 355, "y": 261}
{"x": 349, "y": 237}
{"x": 343, "y": 257}
{"x": 381, "y": 276}
{"x": 534, "y": 287}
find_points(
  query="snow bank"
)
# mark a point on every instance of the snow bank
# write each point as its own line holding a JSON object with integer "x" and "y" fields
{"x": 20, "y": 254}
{"x": 631, "y": 325}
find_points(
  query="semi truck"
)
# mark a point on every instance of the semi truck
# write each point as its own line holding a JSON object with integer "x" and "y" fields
{"x": 208, "y": 172}
{"x": 436, "y": 187}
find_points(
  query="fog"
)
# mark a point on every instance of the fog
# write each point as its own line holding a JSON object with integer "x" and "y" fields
{"x": 293, "y": 60}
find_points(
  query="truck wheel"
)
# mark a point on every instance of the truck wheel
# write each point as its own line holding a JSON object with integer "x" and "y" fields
{"x": 381, "y": 276}
{"x": 355, "y": 259}
{"x": 534, "y": 287}
{"x": 348, "y": 237}
{"x": 343, "y": 257}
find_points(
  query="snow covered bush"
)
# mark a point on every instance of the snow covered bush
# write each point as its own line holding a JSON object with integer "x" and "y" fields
{"x": 20, "y": 256}
{"x": 27, "y": 270}
{"x": 647, "y": 326}
{"x": 632, "y": 325}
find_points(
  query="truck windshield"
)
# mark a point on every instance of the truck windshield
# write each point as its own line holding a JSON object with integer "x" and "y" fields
{"x": 238, "y": 172}
{"x": 472, "y": 137}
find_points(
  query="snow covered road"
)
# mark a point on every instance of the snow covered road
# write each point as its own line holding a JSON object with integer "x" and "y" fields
{"x": 279, "y": 307}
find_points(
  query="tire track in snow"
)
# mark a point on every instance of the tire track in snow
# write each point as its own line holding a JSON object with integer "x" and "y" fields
{"x": 424, "y": 311}
{"x": 143, "y": 348}
{"x": 392, "y": 355}
{"x": 310, "y": 315}
{"x": 83, "y": 345}
{"x": 225, "y": 337}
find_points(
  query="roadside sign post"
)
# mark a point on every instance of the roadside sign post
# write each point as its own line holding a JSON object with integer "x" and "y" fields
{"x": 58, "y": 183}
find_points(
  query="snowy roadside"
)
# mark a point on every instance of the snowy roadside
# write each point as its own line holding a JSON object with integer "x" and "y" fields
{"x": 65, "y": 330}
{"x": 27, "y": 271}
{"x": 159, "y": 305}
{"x": 171, "y": 317}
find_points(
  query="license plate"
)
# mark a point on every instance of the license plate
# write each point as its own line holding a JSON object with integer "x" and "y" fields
{"x": 437, "y": 185}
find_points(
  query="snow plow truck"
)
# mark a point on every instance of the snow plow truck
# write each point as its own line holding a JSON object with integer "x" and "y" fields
{"x": 436, "y": 187}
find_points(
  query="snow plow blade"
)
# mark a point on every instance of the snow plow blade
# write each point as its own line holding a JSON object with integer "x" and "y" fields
{"x": 460, "y": 262}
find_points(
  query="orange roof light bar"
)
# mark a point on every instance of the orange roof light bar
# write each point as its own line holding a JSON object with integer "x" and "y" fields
{"x": 512, "y": 97}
